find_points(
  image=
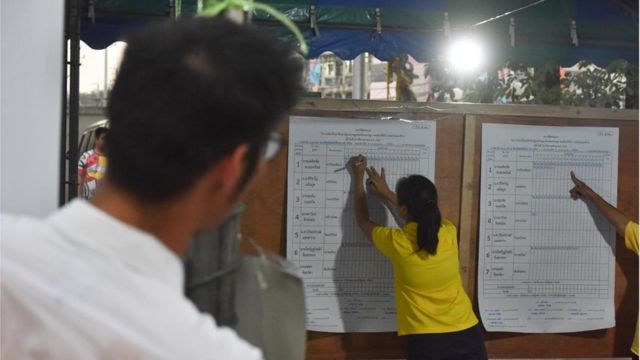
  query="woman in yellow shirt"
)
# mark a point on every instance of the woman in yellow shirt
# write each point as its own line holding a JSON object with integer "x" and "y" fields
{"x": 434, "y": 313}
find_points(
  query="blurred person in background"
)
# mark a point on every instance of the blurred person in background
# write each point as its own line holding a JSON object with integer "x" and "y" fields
{"x": 92, "y": 165}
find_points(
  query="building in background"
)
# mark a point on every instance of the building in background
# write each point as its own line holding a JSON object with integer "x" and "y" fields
{"x": 334, "y": 76}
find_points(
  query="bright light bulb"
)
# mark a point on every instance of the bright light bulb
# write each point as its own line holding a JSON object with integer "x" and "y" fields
{"x": 466, "y": 55}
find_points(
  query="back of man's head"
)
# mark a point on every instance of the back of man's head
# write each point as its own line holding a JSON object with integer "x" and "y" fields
{"x": 187, "y": 94}
{"x": 100, "y": 131}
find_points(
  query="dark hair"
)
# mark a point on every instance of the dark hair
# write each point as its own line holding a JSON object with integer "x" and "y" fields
{"x": 420, "y": 196}
{"x": 187, "y": 93}
{"x": 100, "y": 131}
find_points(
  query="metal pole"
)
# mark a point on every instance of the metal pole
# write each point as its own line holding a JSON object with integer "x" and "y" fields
{"x": 106, "y": 70}
{"x": 74, "y": 95}
{"x": 172, "y": 9}
{"x": 63, "y": 117}
{"x": 358, "y": 78}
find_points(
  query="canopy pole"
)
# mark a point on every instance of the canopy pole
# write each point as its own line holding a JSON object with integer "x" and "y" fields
{"x": 359, "y": 81}
{"x": 74, "y": 95}
{"x": 105, "y": 87}
{"x": 63, "y": 115}
{"x": 172, "y": 9}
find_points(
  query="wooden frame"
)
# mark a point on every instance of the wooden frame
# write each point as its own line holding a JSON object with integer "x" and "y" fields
{"x": 458, "y": 144}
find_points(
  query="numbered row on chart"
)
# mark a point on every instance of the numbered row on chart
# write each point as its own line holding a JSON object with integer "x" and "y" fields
{"x": 536, "y": 187}
{"x": 334, "y": 216}
{"x": 545, "y": 254}
{"x": 335, "y": 182}
{"x": 532, "y": 203}
{"x": 542, "y": 237}
{"x": 320, "y": 164}
{"x": 546, "y": 271}
{"x": 320, "y": 199}
{"x": 321, "y": 217}
{"x": 339, "y": 166}
{"x": 550, "y": 220}
{"x": 328, "y": 235}
{"x": 356, "y": 289}
{"x": 511, "y": 171}
{"x": 546, "y": 169}
{"x": 345, "y": 269}
{"x": 329, "y": 199}
{"x": 540, "y": 187}
{"x": 333, "y": 252}
{"x": 321, "y": 181}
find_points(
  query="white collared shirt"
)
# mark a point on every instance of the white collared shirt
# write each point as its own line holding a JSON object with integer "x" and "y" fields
{"x": 83, "y": 285}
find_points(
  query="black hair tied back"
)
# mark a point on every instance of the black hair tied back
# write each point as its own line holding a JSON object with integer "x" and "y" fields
{"x": 420, "y": 196}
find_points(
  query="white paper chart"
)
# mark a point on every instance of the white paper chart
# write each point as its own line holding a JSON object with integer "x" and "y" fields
{"x": 545, "y": 261}
{"x": 348, "y": 283}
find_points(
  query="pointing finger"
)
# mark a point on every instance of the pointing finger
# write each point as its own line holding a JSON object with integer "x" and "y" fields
{"x": 575, "y": 179}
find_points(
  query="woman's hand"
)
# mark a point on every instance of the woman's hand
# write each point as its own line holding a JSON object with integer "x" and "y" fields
{"x": 358, "y": 165}
{"x": 377, "y": 182}
{"x": 615, "y": 216}
{"x": 580, "y": 189}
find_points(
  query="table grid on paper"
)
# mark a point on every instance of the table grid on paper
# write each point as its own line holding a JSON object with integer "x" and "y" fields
{"x": 334, "y": 257}
{"x": 537, "y": 241}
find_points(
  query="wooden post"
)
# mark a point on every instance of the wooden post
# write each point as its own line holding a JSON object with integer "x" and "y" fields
{"x": 467, "y": 243}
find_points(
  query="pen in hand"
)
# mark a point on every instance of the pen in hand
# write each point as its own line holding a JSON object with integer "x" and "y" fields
{"x": 345, "y": 167}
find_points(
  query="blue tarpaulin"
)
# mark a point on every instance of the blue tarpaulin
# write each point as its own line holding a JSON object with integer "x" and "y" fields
{"x": 606, "y": 30}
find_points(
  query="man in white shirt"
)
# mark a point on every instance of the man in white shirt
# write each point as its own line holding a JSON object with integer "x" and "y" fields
{"x": 190, "y": 115}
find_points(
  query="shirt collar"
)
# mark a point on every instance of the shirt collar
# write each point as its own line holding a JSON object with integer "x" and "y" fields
{"x": 89, "y": 226}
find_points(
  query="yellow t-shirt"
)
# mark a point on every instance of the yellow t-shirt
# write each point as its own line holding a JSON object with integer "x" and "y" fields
{"x": 631, "y": 242}
{"x": 428, "y": 288}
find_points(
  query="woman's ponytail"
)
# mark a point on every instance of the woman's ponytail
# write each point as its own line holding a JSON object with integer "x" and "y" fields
{"x": 420, "y": 197}
{"x": 428, "y": 227}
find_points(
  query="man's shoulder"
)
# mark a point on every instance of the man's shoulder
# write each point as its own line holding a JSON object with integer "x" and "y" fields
{"x": 43, "y": 270}
{"x": 160, "y": 325}
{"x": 17, "y": 219}
{"x": 25, "y": 240}
{"x": 15, "y": 227}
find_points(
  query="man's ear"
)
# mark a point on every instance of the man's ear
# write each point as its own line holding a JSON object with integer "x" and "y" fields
{"x": 229, "y": 169}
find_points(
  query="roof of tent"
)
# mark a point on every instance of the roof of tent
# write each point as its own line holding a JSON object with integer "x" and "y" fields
{"x": 607, "y": 29}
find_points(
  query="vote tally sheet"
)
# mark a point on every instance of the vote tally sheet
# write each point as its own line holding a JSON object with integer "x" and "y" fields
{"x": 545, "y": 261}
{"x": 348, "y": 283}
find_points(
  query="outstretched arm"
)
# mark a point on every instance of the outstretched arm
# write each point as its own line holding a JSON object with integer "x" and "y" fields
{"x": 617, "y": 218}
{"x": 360, "y": 203}
{"x": 379, "y": 185}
